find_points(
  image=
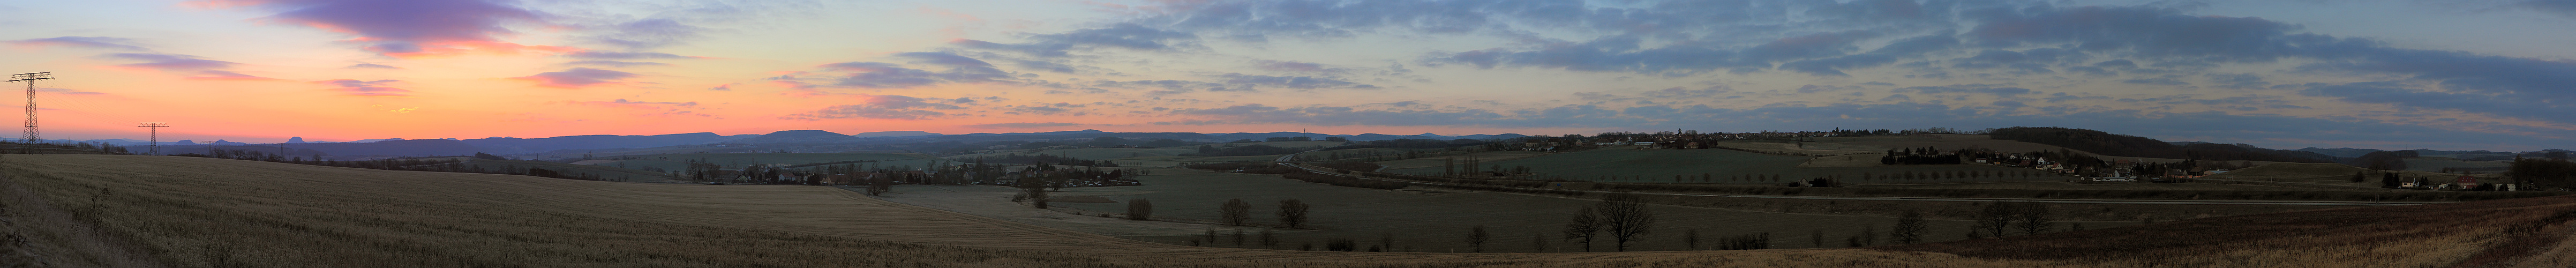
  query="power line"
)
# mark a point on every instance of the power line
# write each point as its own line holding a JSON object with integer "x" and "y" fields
{"x": 31, "y": 102}
{"x": 156, "y": 135}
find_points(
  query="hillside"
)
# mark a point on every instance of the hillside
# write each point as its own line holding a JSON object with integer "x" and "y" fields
{"x": 505, "y": 145}
{"x": 2124, "y": 145}
{"x": 798, "y": 136}
{"x": 2295, "y": 171}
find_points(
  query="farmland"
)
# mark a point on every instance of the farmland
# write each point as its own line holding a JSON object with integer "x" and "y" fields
{"x": 674, "y": 161}
{"x": 1722, "y": 166}
{"x": 605, "y": 172}
{"x": 123, "y": 211}
{"x": 1434, "y": 219}
{"x": 282, "y": 215}
{"x": 1943, "y": 141}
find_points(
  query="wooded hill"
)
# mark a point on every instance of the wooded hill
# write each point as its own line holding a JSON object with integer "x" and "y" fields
{"x": 2099, "y": 142}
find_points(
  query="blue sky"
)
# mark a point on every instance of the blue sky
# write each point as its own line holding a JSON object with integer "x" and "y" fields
{"x": 2457, "y": 75}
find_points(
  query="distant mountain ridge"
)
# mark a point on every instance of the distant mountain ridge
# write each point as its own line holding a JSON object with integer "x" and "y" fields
{"x": 2079, "y": 139}
{"x": 508, "y": 145}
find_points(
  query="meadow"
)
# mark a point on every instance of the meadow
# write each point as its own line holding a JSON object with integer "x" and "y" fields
{"x": 609, "y": 172}
{"x": 736, "y": 160}
{"x": 1723, "y": 167}
{"x": 152, "y": 211}
{"x": 1437, "y": 219}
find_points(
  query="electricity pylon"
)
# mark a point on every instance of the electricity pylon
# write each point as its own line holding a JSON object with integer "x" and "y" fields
{"x": 31, "y": 137}
{"x": 156, "y": 135}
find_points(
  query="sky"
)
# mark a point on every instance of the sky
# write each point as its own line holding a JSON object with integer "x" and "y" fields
{"x": 2390, "y": 74}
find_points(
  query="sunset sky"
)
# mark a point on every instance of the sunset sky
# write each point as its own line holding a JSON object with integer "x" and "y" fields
{"x": 2396, "y": 74}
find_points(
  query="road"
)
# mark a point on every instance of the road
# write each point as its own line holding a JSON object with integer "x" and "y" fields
{"x": 1283, "y": 160}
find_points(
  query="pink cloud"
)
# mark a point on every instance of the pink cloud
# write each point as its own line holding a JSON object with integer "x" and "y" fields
{"x": 353, "y": 87}
{"x": 577, "y": 78}
{"x": 229, "y": 76}
{"x": 408, "y": 29}
{"x": 83, "y": 42}
{"x": 170, "y": 62}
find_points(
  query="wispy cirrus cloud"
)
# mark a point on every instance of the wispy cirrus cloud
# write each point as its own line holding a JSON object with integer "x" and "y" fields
{"x": 109, "y": 43}
{"x": 950, "y": 68}
{"x": 366, "y": 88}
{"x": 654, "y": 108}
{"x": 409, "y": 28}
{"x": 1124, "y": 35}
{"x": 577, "y": 77}
{"x": 197, "y": 68}
{"x": 880, "y": 107}
{"x": 1023, "y": 125}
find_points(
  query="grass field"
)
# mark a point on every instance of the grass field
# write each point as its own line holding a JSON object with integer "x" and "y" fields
{"x": 1436, "y": 220}
{"x": 1661, "y": 165}
{"x": 2530, "y": 232}
{"x": 1092, "y": 153}
{"x": 147, "y": 211}
{"x": 1793, "y": 147}
{"x": 1169, "y": 161}
{"x": 609, "y": 172}
{"x": 1459, "y": 157}
{"x": 674, "y": 161}
{"x": 137, "y": 211}
{"x": 2063, "y": 185}
{"x": 2332, "y": 175}
{"x": 2436, "y": 164}
{"x": 1942, "y": 141}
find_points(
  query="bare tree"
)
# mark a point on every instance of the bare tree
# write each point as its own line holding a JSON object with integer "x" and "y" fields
{"x": 1995, "y": 219}
{"x": 878, "y": 187}
{"x": 1235, "y": 211}
{"x": 1817, "y": 238}
{"x": 2034, "y": 219}
{"x": 1583, "y": 227}
{"x": 1476, "y": 238}
{"x": 1625, "y": 217}
{"x": 1269, "y": 239}
{"x": 1909, "y": 228}
{"x": 1292, "y": 213}
{"x": 1538, "y": 242}
{"x": 1140, "y": 209}
{"x": 1690, "y": 239}
{"x": 1385, "y": 240}
{"x": 1868, "y": 236}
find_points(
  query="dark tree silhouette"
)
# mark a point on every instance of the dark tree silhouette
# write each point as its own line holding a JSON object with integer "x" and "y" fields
{"x": 1140, "y": 209}
{"x": 1583, "y": 227}
{"x": 1909, "y": 228}
{"x": 1476, "y": 238}
{"x": 2034, "y": 219}
{"x": 1292, "y": 213}
{"x": 1993, "y": 220}
{"x": 1234, "y": 211}
{"x": 1625, "y": 217}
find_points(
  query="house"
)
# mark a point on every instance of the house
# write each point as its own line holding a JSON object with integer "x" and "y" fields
{"x": 2467, "y": 182}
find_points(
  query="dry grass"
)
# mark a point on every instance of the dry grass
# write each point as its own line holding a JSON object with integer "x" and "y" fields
{"x": 199, "y": 212}
{"x": 2500, "y": 233}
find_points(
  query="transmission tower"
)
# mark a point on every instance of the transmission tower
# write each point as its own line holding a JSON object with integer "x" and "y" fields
{"x": 31, "y": 78}
{"x": 156, "y": 135}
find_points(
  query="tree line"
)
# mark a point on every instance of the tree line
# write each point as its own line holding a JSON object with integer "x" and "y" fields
{"x": 403, "y": 164}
